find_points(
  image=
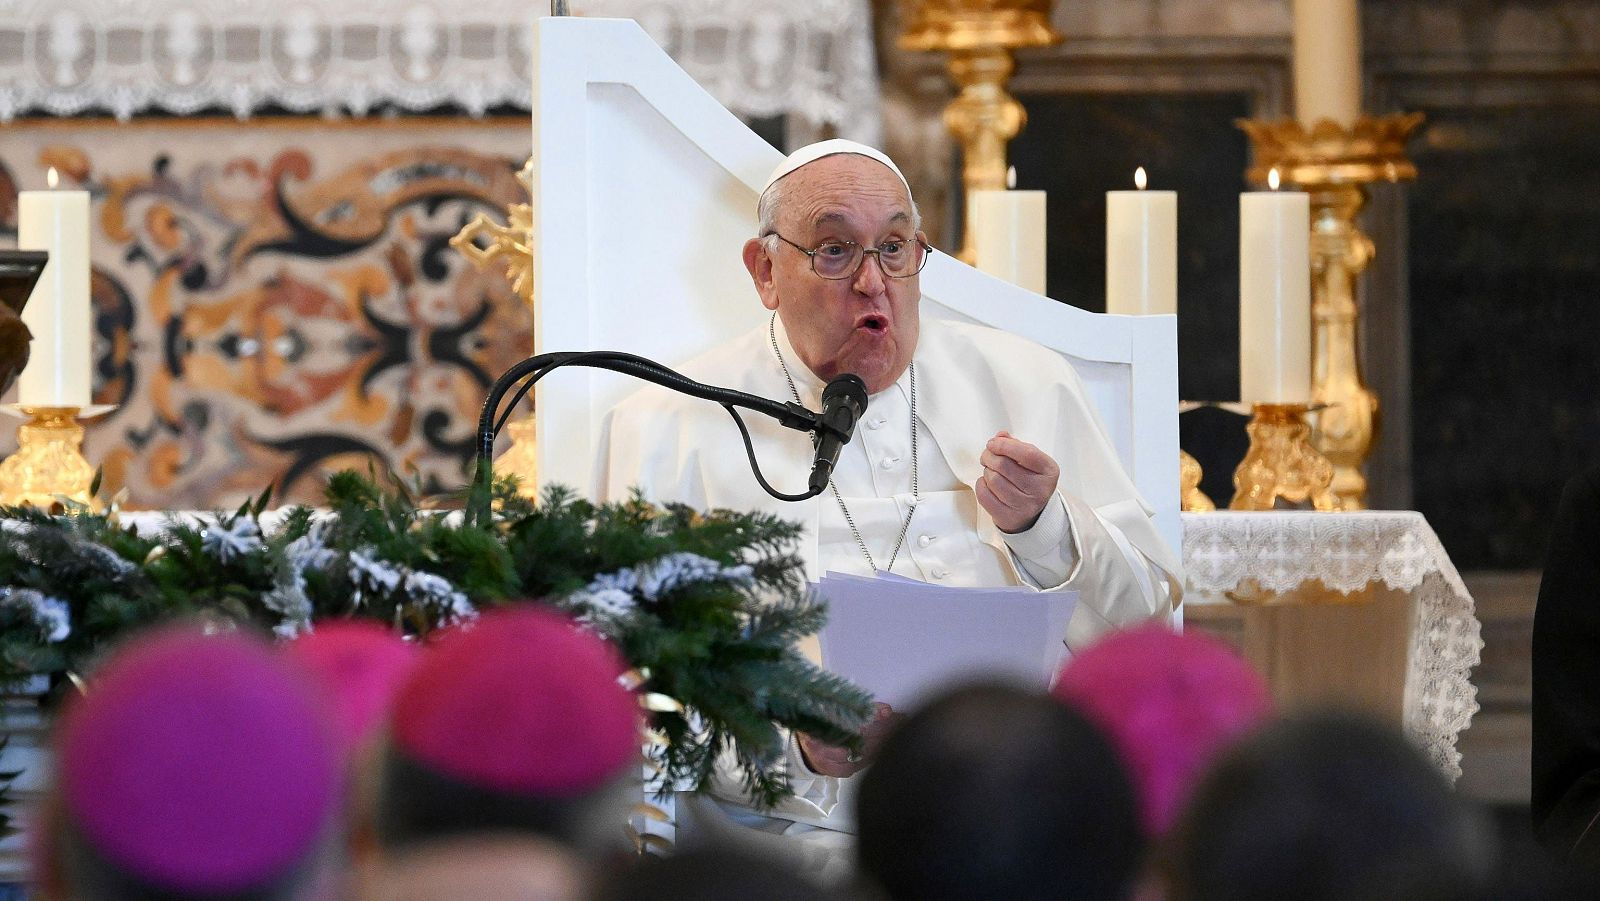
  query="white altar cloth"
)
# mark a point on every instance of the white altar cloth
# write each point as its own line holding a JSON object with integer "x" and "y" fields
{"x": 1270, "y": 558}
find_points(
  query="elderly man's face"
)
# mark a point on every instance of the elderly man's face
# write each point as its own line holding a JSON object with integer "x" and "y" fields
{"x": 866, "y": 324}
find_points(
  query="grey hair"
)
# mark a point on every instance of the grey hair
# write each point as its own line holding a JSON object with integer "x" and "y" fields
{"x": 767, "y": 215}
{"x": 772, "y": 201}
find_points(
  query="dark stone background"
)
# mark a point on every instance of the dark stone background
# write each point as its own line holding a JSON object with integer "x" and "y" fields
{"x": 1505, "y": 323}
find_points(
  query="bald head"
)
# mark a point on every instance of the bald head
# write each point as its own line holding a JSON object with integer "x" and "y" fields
{"x": 930, "y": 819}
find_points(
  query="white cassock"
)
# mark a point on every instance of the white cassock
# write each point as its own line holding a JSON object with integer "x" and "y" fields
{"x": 1095, "y": 536}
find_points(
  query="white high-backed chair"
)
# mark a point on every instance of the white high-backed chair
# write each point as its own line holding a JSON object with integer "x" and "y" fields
{"x": 645, "y": 190}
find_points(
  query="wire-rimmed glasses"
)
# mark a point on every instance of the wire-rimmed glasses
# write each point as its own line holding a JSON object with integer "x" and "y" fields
{"x": 836, "y": 260}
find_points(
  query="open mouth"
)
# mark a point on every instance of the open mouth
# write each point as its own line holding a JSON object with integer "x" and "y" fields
{"x": 873, "y": 322}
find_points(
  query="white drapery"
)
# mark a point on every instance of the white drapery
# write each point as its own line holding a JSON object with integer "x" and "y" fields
{"x": 811, "y": 61}
{"x": 1346, "y": 552}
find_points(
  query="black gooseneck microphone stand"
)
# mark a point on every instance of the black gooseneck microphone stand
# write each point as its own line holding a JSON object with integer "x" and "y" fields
{"x": 791, "y": 415}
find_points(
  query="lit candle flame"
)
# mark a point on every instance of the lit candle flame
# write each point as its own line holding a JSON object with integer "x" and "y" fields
{"x": 52, "y": 178}
{"x": 1273, "y": 179}
{"x": 1139, "y": 178}
{"x": 1011, "y": 177}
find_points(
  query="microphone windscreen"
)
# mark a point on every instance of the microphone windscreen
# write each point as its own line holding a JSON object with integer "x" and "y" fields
{"x": 847, "y": 387}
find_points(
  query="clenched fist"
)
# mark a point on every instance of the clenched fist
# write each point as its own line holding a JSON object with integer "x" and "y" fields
{"x": 1018, "y": 480}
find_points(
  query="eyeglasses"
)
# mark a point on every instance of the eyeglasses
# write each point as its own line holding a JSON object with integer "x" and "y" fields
{"x": 835, "y": 260}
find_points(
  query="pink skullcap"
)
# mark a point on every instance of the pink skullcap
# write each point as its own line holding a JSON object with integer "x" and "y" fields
{"x": 199, "y": 764}
{"x": 520, "y": 701}
{"x": 361, "y": 664}
{"x": 1170, "y": 702}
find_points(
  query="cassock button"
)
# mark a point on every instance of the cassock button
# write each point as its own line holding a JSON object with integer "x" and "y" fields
{"x": 876, "y": 424}
{"x": 924, "y": 540}
{"x": 889, "y": 462}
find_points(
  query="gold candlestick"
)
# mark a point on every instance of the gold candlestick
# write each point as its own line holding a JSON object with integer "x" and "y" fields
{"x": 1281, "y": 462}
{"x": 1335, "y": 165}
{"x": 522, "y": 457}
{"x": 510, "y": 244}
{"x": 48, "y": 466}
{"x": 1189, "y": 476}
{"x": 980, "y": 36}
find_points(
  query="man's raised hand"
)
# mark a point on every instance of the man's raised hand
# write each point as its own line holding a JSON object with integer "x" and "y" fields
{"x": 1018, "y": 480}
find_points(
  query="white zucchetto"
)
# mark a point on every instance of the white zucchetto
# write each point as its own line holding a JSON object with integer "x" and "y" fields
{"x": 813, "y": 152}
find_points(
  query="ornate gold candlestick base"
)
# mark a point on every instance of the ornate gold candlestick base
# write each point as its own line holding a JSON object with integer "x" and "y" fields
{"x": 1189, "y": 476}
{"x": 1282, "y": 463}
{"x": 522, "y": 458}
{"x": 510, "y": 244}
{"x": 984, "y": 117}
{"x": 48, "y": 465}
{"x": 1335, "y": 165}
{"x": 980, "y": 36}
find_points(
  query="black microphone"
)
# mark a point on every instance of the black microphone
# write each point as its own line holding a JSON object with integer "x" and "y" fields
{"x": 842, "y": 404}
{"x": 491, "y": 419}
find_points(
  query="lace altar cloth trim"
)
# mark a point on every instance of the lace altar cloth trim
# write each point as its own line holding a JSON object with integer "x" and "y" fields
{"x": 757, "y": 57}
{"x": 1347, "y": 552}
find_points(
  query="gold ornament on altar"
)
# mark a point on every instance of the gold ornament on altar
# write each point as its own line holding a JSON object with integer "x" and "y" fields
{"x": 48, "y": 467}
{"x": 1281, "y": 462}
{"x": 1189, "y": 476}
{"x": 980, "y": 36}
{"x": 508, "y": 245}
{"x": 1335, "y": 164}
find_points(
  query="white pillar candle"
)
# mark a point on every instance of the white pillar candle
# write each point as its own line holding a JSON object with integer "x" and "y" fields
{"x": 1274, "y": 297}
{"x": 1141, "y": 250}
{"x": 57, "y": 313}
{"x": 1008, "y": 235}
{"x": 1327, "y": 61}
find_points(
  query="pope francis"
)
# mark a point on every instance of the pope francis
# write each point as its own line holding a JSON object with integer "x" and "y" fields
{"x": 978, "y": 461}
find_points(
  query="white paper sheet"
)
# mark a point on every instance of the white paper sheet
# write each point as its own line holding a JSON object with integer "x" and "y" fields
{"x": 904, "y": 640}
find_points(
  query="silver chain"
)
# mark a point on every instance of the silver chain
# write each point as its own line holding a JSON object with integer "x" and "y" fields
{"x": 916, "y": 494}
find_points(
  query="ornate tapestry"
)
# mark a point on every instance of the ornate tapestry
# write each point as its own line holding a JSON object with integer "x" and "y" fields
{"x": 276, "y": 302}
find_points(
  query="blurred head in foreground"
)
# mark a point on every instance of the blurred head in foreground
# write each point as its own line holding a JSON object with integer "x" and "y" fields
{"x": 481, "y": 868}
{"x": 514, "y": 723}
{"x": 195, "y": 767}
{"x": 1170, "y": 702}
{"x": 1328, "y": 807}
{"x": 710, "y": 874}
{"x": 359, "y": 665}
{"x": 993, "y": 792}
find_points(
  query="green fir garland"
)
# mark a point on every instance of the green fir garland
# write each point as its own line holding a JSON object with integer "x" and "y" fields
{"x": 708, "y": 608}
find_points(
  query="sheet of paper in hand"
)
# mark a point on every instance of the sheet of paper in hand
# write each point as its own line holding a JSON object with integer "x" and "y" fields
{"x": 903, "y": 640}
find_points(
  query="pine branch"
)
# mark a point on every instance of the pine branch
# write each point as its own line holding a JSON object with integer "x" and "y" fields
{"x": 712, "y": 604}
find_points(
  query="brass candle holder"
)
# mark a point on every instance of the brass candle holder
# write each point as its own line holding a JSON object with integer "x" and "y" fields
{"x": 509, "y": 245}
{"x": 1335, "y": 164}
{"x": 522, "y": 457}
{"x": 1282, "y": 463}
{"x": 1191, "y": 498}
{"x": 980, "y": 36}
{"x": 48, "y": 467}
{"x": 1189, "y": 475}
